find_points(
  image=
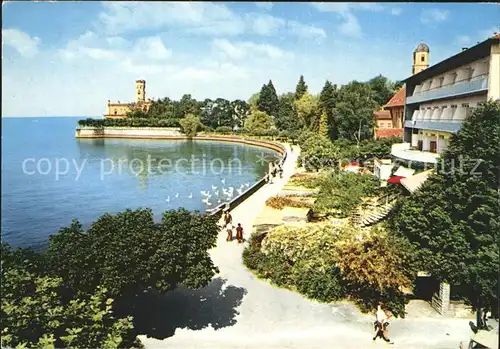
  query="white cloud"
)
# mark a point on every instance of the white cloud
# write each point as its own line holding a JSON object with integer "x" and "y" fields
{"x": 195, "y": 73}
{"x": 91, "y": 45}
{"x": 464, "y": 40}
{"x": 396, "y": 11}
{"x": 196, "y": 18}
{"x": 247, "y": 50}
{"x": 434, "y": 15}
{"x": 263, "y": 24}
{"x": 26, "y": 45}
{"x": 306, "y": 31}
{"x": 351, "y": 27}
{"x": 267, "y": 6}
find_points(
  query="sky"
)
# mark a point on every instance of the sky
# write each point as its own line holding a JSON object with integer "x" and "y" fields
{"x": 70, "y": 58}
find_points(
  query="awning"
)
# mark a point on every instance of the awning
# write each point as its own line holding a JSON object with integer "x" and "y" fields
{"x": 395, "y": 179}
{"x": 414, "y": 182}
{"x": 404, "y": 172}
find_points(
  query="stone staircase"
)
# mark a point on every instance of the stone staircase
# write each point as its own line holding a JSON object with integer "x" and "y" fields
{"x": 373, "y": 210}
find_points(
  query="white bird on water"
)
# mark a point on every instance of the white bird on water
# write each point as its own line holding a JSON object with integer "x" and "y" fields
{"x": 167, "y": 199}
{"x": 205, "y": 193}
{"x": 247, "y": 184}
{"x": 216, "y": 193}
{"x": 239, "y": 191}
{"x": 177, "y": 195}
{"x": 214, "y": 187}
{"x": 205, "y": 201}
{"x": 190, "y": 196}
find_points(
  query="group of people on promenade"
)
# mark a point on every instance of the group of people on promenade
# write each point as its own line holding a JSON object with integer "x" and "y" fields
{"x": 228, "y": 225}
{"x": 274, "y": 170}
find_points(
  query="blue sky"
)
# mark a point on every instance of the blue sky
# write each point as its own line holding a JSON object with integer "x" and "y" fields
{"x": 69, "y": 58}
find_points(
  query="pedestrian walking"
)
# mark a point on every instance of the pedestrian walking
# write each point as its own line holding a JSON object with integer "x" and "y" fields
{"x": 381, "y": 325}
{"x": 228, "y": 220}
{"x": 239, "y": 233}
{"x": 280, "y": 170}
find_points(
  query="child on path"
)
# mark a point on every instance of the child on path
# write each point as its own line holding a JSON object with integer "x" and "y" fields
{"x": 239, "y": 233}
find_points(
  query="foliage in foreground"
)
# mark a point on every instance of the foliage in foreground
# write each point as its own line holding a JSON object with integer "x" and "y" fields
{"x": 35, "y": 315}
{"x": 453, "y": 218}
{"x": 119, "y": 256}
{"x": 305, "y": 180}
{"x": 327, "y": 263}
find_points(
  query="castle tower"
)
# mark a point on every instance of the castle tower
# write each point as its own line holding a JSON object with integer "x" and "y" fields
{"x": 140, "y": 91}
{"x": 420, "y": 58}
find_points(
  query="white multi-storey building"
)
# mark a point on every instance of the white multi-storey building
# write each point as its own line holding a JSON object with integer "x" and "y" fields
{"x": 439, "y": 99}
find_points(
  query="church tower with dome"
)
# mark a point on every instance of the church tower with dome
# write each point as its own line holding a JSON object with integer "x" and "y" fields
{"x": 420, "y": 58}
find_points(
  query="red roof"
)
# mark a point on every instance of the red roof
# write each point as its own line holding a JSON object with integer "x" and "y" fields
{"x": 382, "y": 115}
{"x": 388, "y": 132}
{"x": 398, "y": 100}
{"x": 395, "y": 179}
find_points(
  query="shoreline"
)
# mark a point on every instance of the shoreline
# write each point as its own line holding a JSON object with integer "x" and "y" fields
{"x": 174, "y": 134}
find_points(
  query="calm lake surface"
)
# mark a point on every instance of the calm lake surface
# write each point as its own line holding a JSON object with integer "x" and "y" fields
{"x": 50, "y": 178}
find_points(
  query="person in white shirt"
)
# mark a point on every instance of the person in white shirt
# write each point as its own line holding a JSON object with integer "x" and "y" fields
{"x": 381, "y": 325}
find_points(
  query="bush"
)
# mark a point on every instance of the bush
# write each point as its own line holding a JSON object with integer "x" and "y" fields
{"x": 341, "y": 193}
{"x": 325, "y": 286}
{"x": 280, "y": 202}
{"x": 318, "y": 152}
{"x": 224, "y": 129}
{"x": 129, "y": 122}
{"x": 305, "y": 180}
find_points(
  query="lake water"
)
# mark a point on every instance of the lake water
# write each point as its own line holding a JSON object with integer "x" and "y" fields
{"x": 50, "y": 178}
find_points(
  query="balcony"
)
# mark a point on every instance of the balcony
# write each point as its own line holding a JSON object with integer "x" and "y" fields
{"x": 403, "y": 151}
{"x": 445, "y": 126}
{"x": 478, "y": 84}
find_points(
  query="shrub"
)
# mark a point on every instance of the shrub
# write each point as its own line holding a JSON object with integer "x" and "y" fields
{"x": 280, "y": 202}
{"x": 224, "y": 129}
{"x": 306, "y": 180}
{"x": 325, "y": 286}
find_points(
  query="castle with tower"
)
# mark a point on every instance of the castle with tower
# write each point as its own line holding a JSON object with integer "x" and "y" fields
{"x": 120, "y": 110}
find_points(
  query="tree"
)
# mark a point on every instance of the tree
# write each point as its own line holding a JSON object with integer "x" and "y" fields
{"x": 308, "y": 111}
{"x": 353, "y": 113}
{"x": 258, "y": 122}
{"x": 207, "y": 116}
{"x": 240, "y": 111}
{"x": 34, "y": 314}
{"x": 223, "y": 113}
{"x": 190, "y": 125}
{"x": 318, "y": 152}
{"x": 254, "y": 100}
{"x": 323, "y": 124}
{"x": 382, "y": 88}
{"x": 453, "y": 218}
{"x": 301, "y": 88}
{"x": 129, "y": 252}
{"x": 287, "y": 120}
{"x": 188, "y": 105}
{"x": 268, "y": 100}
{"x": 377, "y": 266}
{"x": 327, "y": 102}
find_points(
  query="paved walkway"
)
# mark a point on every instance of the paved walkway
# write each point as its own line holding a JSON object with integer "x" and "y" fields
{"x": 240, "y": 311}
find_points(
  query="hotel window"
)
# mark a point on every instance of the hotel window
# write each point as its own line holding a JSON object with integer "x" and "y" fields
{"x": 422, "y": 59}
{"x": 441, "y": 137}
{"x": 465, "y": 105}
{"x": 454, "y": 106}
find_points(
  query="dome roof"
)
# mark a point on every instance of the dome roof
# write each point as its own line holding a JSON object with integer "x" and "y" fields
{"x": 422, "y": 48}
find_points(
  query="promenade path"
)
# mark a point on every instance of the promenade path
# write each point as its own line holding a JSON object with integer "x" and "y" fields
{"x": 237, "y": 310}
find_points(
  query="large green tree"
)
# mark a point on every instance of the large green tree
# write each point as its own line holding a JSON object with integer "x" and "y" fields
{"x": 353, "y": 114}
{"x": 129, "y": 251}
{"x": 301, "y": 88}
{"x": 453, "y": 218}
{"x": 268, "y": 100}
{"x": 240, "y": 110}
{"x": 308, "y": 111}
{"x": 188, "y": 105}
{"x": 382, "y": 88}
{"x": 327, "y": 102}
